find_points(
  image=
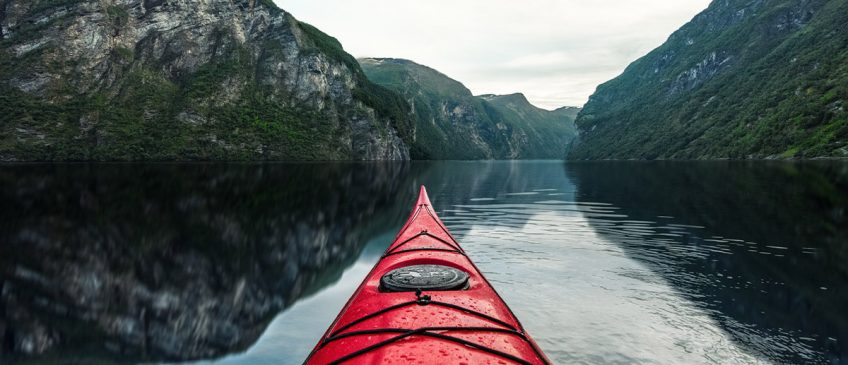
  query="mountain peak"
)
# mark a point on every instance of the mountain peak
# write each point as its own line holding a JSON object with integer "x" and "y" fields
{"x": 567, "y": 108}
{"x": 386, "y": 60}
{"x": 403, "y": 71}
{"x": 517, "y": 98}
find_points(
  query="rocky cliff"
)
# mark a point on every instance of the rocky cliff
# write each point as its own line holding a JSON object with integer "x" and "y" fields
{"x": 743, "y": 79}
{"x": 451, "y": 123}
{"x": 184, "y": 79}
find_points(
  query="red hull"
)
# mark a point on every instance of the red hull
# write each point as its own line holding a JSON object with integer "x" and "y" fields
{"x": 471, "y": 326}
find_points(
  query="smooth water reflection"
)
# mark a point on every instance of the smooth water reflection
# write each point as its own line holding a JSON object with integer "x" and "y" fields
{"x": 609, "y": 262}
{"x": 763, "y": 247}
{"x": 123, "y": 263}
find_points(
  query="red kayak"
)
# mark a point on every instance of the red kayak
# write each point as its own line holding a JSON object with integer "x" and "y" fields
{"x": 426, "y": 303}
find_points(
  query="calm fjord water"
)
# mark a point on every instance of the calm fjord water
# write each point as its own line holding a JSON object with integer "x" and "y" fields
{"x": 606, "y": 262}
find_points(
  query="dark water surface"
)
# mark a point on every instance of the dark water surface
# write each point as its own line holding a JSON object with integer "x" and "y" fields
{"x": 608, "y": 262}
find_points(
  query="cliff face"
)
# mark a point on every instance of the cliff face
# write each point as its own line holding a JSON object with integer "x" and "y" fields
{"x": 173, "y": 262}
{"x": 451, "y": 123}
{"x": 743, "y": 79}
{"x": 184, "y": 79}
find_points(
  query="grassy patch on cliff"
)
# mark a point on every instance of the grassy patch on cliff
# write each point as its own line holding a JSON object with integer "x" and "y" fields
{"x": 146, "y": 121}
{"x": 385, "y": 102}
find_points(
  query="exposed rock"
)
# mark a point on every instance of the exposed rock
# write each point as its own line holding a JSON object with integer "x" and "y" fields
{"x": 699, "y": 73}
{"x": 121, "y": 75}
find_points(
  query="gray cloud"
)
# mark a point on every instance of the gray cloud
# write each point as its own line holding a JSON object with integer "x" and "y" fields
{"x": 554, "y": 51}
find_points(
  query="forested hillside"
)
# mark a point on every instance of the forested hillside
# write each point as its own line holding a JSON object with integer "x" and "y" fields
{"x": 451, "y": 123}
{"x": 743, "y": 79}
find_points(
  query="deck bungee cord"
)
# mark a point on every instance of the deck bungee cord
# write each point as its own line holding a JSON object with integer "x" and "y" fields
{"x": 426, "y": 331}
{"x": 455, "y": 312}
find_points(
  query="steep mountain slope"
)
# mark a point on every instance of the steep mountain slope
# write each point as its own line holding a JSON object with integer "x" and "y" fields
{"x": 184, "y": 79}
{"x": 743, "y": 79}
{"x": 451, "y": 123}
{"x": 550, "y": 131}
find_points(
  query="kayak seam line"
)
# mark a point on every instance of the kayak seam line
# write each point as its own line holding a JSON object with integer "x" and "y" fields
{"x": 435, "y": 217}
{"x": 423, "y": 233}
{"x": 409, "y": 222}
{"x": 421, "y": 249}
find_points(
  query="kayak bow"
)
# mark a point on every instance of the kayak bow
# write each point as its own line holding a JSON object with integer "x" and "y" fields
{"x": 425, "y": 302}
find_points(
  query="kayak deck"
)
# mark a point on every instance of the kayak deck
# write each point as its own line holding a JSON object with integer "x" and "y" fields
{"x": 470, "y": 324}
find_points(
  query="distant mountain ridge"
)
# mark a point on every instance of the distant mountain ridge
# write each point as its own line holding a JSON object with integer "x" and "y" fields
{"x": 452, "y": 123}
{"x": 743, "y": 79}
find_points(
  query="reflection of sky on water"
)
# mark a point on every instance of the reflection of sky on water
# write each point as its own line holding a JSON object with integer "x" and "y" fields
{"x": 581, "y": 296}
{"x": 291, "y": 335}
{"x": 614, "y": 262}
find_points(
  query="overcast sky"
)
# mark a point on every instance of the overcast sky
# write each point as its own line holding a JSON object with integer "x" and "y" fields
{"x": 554, "y": 51}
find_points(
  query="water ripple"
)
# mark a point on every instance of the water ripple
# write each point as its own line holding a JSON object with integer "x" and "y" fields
{"x": 589, "y": 244}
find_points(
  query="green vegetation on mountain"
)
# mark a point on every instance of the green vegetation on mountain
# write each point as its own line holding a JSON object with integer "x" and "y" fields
{"x": 148, "y": 80}
{"x": 89, "y": 80}
{"x": 451, "y": 123}
{"x": 743, "y": 79}
{"x": 553, "y": 131}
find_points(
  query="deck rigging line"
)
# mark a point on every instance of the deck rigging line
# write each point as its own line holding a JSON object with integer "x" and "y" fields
{"x": 423, "y": 300}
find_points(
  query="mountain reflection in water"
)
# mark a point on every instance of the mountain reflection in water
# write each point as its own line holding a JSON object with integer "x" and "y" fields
{"x": 162, "y": 261}
{"x": 763, "y": 244}
{"x": 607, "y": 262}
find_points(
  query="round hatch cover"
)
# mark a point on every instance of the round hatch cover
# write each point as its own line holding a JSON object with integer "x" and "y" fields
{"x": 424, "y": 277}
